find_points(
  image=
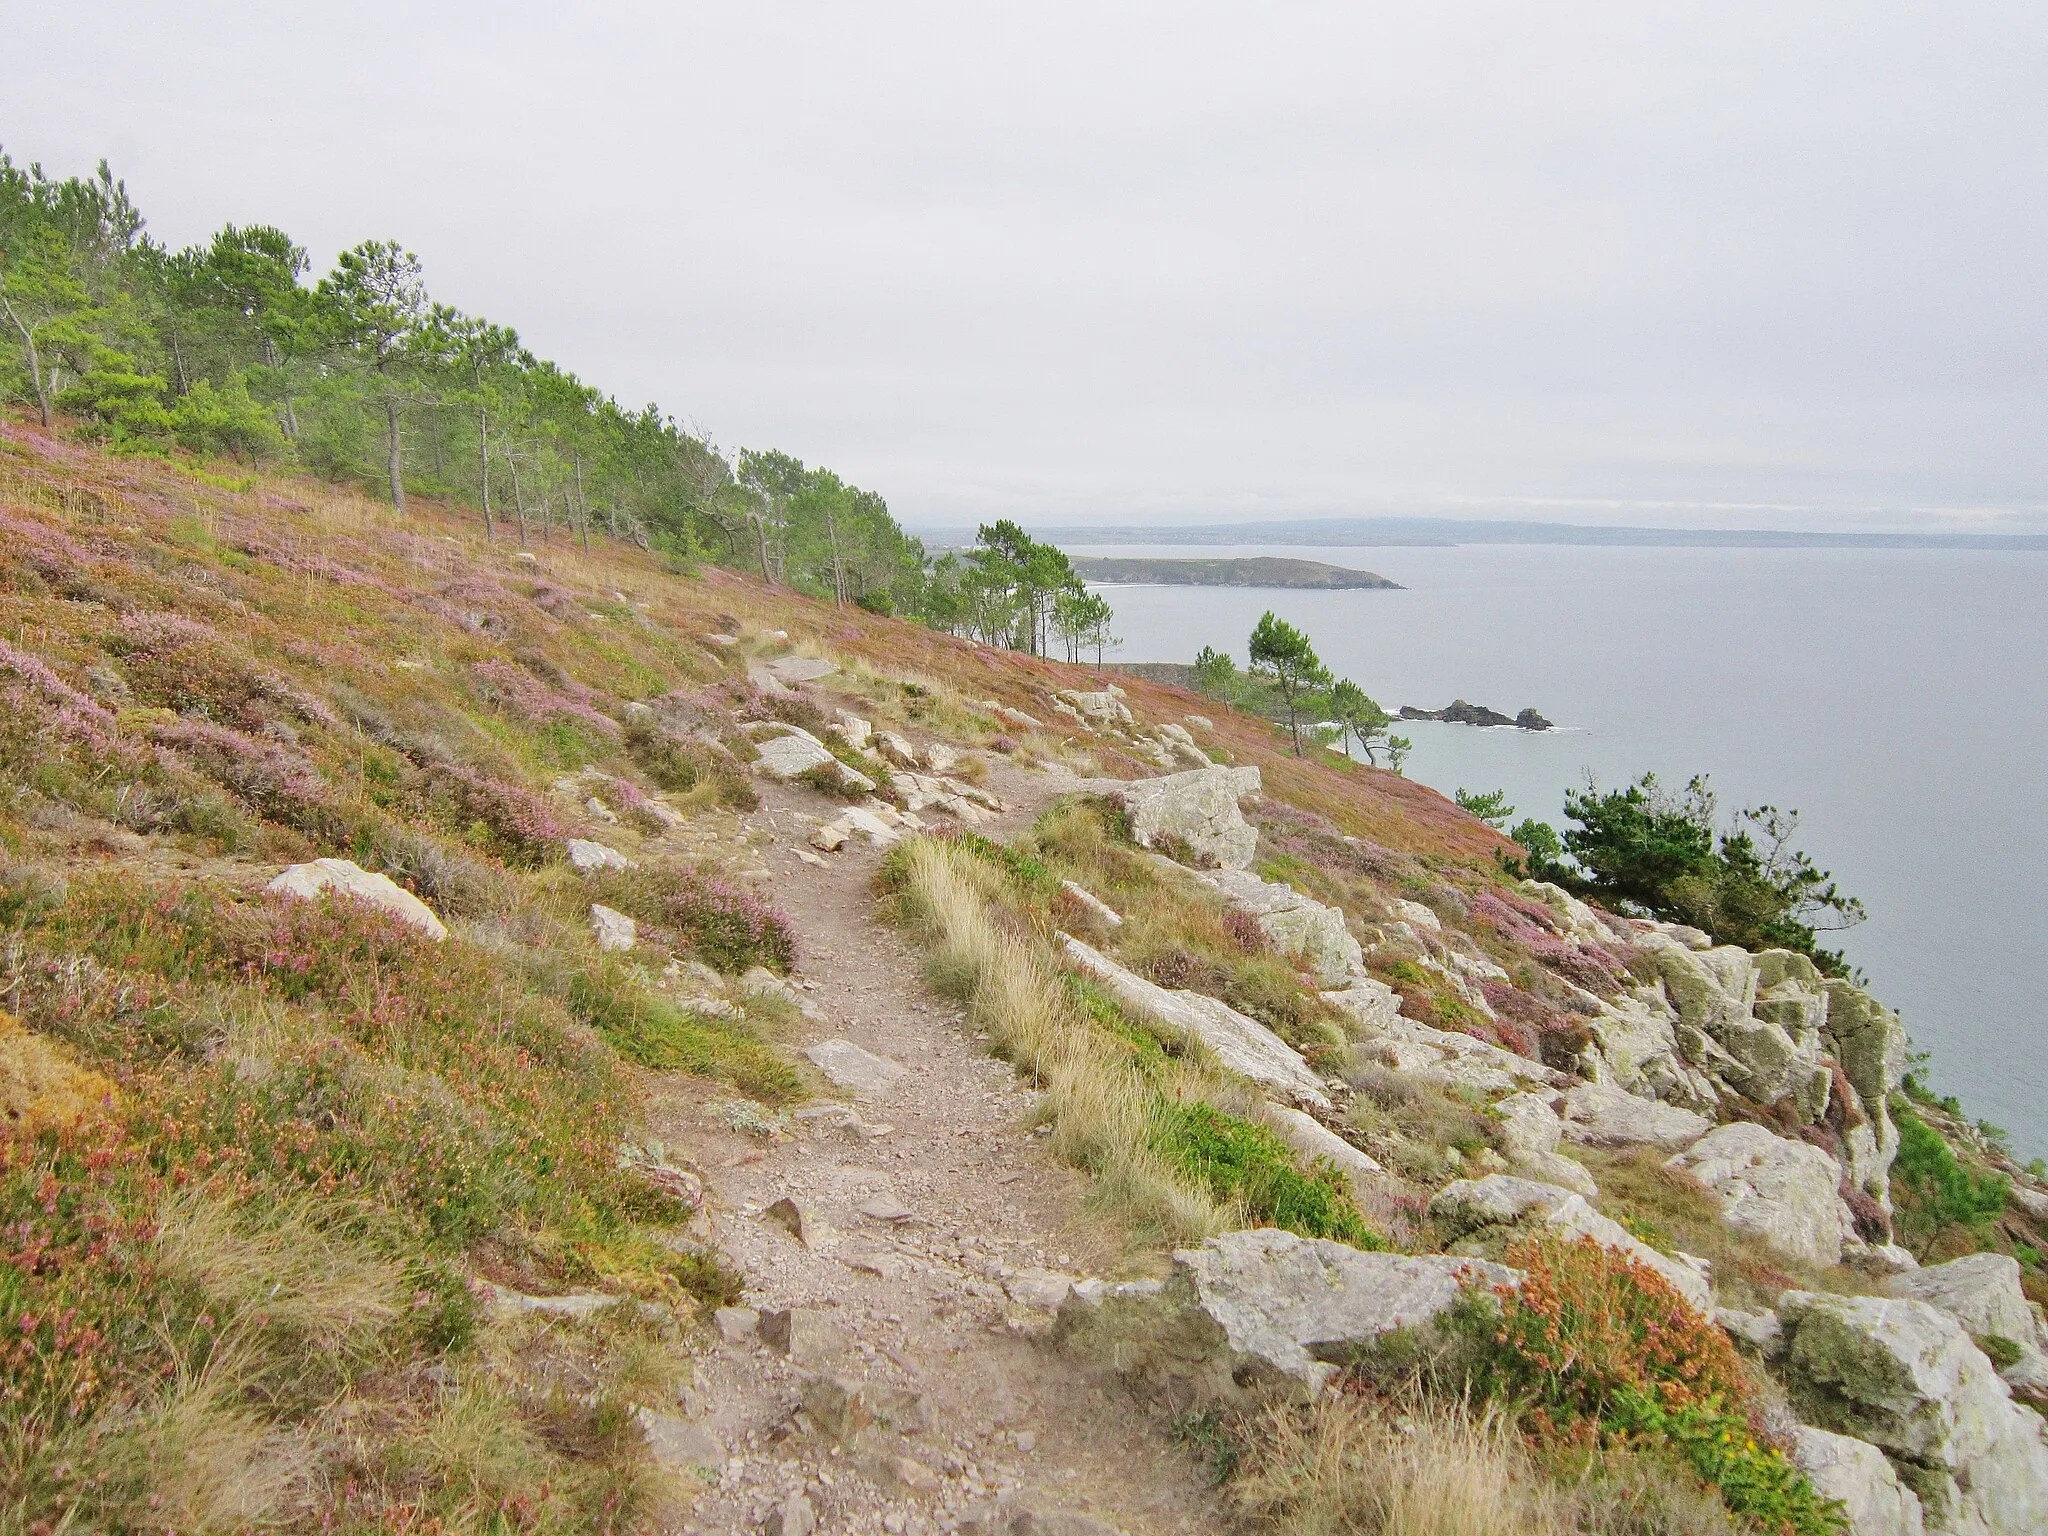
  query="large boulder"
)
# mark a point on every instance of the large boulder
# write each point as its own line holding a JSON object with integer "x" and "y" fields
{"x": 1600, "y": 1116}
{"x": 1295, "y": 924}
{"x": 792, "y": 752}
{"x": 1475, "y": 1211}
{"x": 344, "y": 878}
{"x": 1784, "y": 1193}
{"x": 1982, "y": 1292}
{"x": 1855, "y": 1473}
{"x": 1102, "y": 707}
{"x": 1197, "y": 809}
{"x": 1269, "y": 1312}
{"x": 1907, "y": 1378}
{"x": 1243, "y": 1045}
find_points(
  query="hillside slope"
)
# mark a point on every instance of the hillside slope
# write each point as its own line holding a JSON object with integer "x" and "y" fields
{"x": 635, "y": 1158}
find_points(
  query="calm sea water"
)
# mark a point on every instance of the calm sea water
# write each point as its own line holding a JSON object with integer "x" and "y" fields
{"x": 1898, "y": 699}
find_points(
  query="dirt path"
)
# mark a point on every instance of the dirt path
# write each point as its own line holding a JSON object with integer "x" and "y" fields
{"x": 927, "y": 1288}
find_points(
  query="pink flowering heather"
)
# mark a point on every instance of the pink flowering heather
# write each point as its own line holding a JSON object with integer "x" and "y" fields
{"x": 76, "y": 715}
{"x": 514, "y": 688}
{"x": 277, "y": 782}
{"x": 520, "y": 819}
{"x": 724, "y": 924}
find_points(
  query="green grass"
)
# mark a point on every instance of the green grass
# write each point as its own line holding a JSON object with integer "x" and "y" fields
{"x": 654, "y": 1032}
{"x": 1248, "y": 1164}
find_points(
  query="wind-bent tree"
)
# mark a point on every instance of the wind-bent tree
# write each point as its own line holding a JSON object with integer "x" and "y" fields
{"x": 1282, "y": 655}
{"x": 379, "y": 303}
{"x": 1359, "y": 718}
{"x": 1081, "y": 618}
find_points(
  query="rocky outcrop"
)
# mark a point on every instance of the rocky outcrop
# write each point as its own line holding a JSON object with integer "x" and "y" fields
{"x": 1481, "y": 1213}
{"x": 1243, "y": 1045}
{"x": 1868, "y": 1041}
{"x": 1907, "y": 1379}
{"x": 1104, "y": 707}
{"x": 1267, "y": 1312}
{"x": 1197, "y": 809}
{"x": 1598, "y": 1116}
{"x": 1783, "y": 1193}
{"x": 1295, "y": 924}
{"x": 1316, "y": 1142}
{"x": 1856, "y": 1474}
{"x": 1982, "y": 1293}
{"x": 344, "y": 878}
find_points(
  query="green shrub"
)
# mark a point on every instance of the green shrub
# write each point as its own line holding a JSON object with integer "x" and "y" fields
{"x": 1241, "y": 1161}
{"x": 1933, "y": 1191}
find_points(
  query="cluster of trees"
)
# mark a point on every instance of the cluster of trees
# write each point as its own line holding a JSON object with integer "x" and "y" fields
{"x": 1287, "y": 681}
{"x": 1010, "y": 589}
{"x": 1665, "y": 854}
{"x": 231, "y": 348}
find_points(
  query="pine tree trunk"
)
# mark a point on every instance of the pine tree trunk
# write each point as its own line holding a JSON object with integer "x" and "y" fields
{"x": 483, "y": 437}
{"x": 393, "y": 452}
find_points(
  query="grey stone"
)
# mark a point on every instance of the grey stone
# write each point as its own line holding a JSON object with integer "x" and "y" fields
{"x": 1869, "y": 1042}
{"x": 1044, "y": 1289}
{"x": 344, "y": 878}
{"x": 801, "y": 669}
{"x": 576, "y": 1304}
{"x": 677, "y": 1442}
{"x": 1981, "y": 1291}
{"x": 847, "y": 1066}
{"x": 1241, "y": 1044}
{"x": 804, "y": 1334}
{"x": 837, "y": 1406}
{"x": 1556, "y": 1168}
{"x": 1502, "y": 1200}
{"x": 787, "y": 756}
{"x": 792, "y": 1517}
{"x": 1103, "y": 707}
{"x": 736, "y": 1324}
{"x": 1529, "y": 1125}
{"x": 615, "y": 931}
{"x": 798, "y": 1219}
{"x": 1907, "y": 1378}
{"x": 587, "y": 857}
{"x": 1294, "y": 924}
{"x": 1599, "y": 1116}
{"x": 1856, "y": 1474}
{"x": 1754, "y": 1333}
{"x": 1316, "y": 1142}
{"x": 896, "y": 749}
{"x": 1783, "y": 1193}
{"x": 1200, "y": 809}
{"x": 1267, "y": 1311}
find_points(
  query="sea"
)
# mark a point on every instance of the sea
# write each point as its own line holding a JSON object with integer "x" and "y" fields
{"x": 1896, "y": 698}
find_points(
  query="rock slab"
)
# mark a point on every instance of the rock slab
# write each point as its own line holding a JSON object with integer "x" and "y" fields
{"x": 1197, "y": 809}
{"x": 343, "y": 877}
{"x": 847, "y": 1066}
{"x": 1784, "y": 1193}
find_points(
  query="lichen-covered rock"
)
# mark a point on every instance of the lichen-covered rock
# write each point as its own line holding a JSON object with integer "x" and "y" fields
{"x": 1243, "y": 1045}
{"x": 1907, "y": 1378}
{"x": 1372, "y": 1005}
{"x": 1784, "y": 1193}
{"x": 1470, "y": 1207}
{"x": 1529, "y": 1125}
{"x": 1856, "y": 1473}
{"x": 1197, "y": 809}
{"x": 588, "y": 858}
{"x": 615, "y": 931}
{"x": 1269, "y": 1312}
{"x": 1103, "y": 707}
{"x": 1295, "y": 924}
{"x": 343, "y": 877}
{"x": 1600, "y": 1116}
{"x": 1869, "y": 1042}
{"x": 1980, "y": 1291}
{"x": 792, "y": 753}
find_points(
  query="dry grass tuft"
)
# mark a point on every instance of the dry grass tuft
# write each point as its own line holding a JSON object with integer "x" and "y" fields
{"x": 1102, "y": 1114}
{"x": 1346, "y": 1467}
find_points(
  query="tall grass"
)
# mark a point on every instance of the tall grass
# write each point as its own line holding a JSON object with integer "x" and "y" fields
{"x": 1103, "y": 1114}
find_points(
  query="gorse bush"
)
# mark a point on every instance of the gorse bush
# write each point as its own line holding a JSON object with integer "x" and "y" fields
{"x": 1594, "y": 1345}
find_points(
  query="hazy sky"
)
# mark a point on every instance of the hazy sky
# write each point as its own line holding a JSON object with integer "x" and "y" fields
{"x": 1734, "y": 263}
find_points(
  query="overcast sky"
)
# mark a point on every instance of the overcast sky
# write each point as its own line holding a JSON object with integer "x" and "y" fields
{"x": 1743, "y": 264}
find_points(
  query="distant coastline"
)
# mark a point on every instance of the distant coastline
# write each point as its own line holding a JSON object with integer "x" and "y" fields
{"x": 1240, "y": 571}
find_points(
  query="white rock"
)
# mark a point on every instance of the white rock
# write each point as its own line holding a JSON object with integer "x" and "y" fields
{"x": 896, "y": 749}
{"x": 587, "y": 858}
{"x": 847, "y": 1066}
{"x": 1980, "y": 1291}
{"x": 1269, "y": 1311}
{"x": 853, "y": 730}
{"x": 1044, "y": 1289}
{"x": 615, "y": 931}
{"x": 1529, "y": 1125}
{"x": 1101, "y": 708}
{"x": 1857, "y": 1474}
{"x": 1315, "y": 1142}
{"x": 1607, "y": 1117}
{"x": 801, "y": 669}
{"x": 834, "y": 834}
{"x": 675, "y": 1442}
{"x": 788, "y": 755}
{"x": 1295, "y": 924}
{"x": 344, "y": 878}
{"x": 1243, "y": 1045}
{"x": 1199, "y": 808}
{"x": 1093, "y": 903}
{"x": 1784, "y": 1193}
{"x": 1907, "y": 1378}
{"x": 1502, "y": 1200}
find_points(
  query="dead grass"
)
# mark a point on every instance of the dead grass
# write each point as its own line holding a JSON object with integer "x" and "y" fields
{"x": 1352, "y": 1467}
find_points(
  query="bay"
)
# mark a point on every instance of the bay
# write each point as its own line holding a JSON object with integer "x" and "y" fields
{"x": 1897, "y": 698}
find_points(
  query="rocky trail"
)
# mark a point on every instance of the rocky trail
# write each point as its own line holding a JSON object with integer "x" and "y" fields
{"x": 904, "y": 1243}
